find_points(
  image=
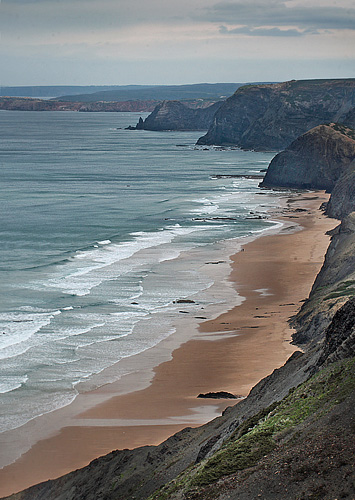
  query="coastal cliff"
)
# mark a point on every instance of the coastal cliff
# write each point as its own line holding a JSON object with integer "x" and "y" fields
{"x": 316, "y": 160}
{"x": 270, "y": 117}
{"x": 174, "y": 115}
{"x": 323, "y": 158}
{"x": 333, "y": 286}
{"x": 342, "y": 201}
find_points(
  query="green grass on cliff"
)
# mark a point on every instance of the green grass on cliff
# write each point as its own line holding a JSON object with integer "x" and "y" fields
{"x": 270, "y": 428}
{"x": 344, "y": 289}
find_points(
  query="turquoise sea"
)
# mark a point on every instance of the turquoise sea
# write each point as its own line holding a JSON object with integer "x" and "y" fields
{"x": 97, "y": 223}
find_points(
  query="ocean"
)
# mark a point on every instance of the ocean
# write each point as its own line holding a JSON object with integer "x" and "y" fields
{"x": 103, "y": 232}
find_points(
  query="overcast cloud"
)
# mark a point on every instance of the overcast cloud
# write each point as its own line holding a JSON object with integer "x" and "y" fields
{"x": 278, "y": 13}
{"x": 164, "y": 41}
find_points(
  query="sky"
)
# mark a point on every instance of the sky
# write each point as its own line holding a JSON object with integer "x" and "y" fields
{"x": 121, "y": 42}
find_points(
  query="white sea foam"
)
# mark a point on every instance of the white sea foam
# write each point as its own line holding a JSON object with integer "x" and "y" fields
{"x": 9, "y": 384}
{"x": 87, "y": 269}
{"x": 18, "y": 328}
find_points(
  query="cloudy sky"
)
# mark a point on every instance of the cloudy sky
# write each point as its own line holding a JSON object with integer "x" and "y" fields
{"x": 98, "y": 42}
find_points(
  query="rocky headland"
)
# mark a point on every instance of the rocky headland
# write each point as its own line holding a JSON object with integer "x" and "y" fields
{"x": 270, "y": 117}
{"x": 175, "y": 115}
{"x": 316, "y": 160}
{"x": 294, "y": 435}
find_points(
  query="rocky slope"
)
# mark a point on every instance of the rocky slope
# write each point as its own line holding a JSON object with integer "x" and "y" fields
{"x": 174, "y": 115}
{"x": 299, "y": 448}
{"x": 315, "y": 160}
{"x": 333, "y": 286}
{"x": 270, "y": 117}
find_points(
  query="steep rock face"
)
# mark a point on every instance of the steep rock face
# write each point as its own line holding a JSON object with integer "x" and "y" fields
{"x": 339, "y": 340}
{"x": 315, "y": 160}
{"x": 333, "y": 286}
{"x": 342, "y": 200}
{"x": 174, "y": 115}
{"x": 270, "y": 117}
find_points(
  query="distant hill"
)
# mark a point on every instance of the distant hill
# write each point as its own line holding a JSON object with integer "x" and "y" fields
{"x": 209, "y": 91}
{"x": 113, "y": 93}
{"x": 32, "y": 104}
{"x": 59, "y": 90}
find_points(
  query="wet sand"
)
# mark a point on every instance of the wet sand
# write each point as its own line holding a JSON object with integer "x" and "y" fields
{"x": 231, "y": 353}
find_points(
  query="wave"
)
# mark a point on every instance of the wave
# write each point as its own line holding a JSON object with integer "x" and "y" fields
{"x": 18, "y": 328}
{"x": 89, "y": 268}
{"x": 11, "y": 383}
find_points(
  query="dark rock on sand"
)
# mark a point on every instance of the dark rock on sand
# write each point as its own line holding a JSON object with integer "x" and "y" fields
{"x": 218, "y": 395}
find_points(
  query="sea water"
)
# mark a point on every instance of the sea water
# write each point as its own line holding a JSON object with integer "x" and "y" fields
{"x": 102, "y": 232}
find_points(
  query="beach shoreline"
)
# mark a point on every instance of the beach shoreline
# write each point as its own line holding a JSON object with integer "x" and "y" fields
{"x": 231, "y": 352}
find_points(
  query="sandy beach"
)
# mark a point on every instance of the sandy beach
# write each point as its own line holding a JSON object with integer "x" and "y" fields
{"x": 273, "y": 274}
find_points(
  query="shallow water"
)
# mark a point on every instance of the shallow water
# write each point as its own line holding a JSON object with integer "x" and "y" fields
{"x": 102, "y": 231}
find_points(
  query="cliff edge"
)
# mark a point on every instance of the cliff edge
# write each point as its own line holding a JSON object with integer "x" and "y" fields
{"x": 270, "y": 117}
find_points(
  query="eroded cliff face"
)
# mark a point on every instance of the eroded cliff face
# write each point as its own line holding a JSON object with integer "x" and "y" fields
{"x": 270, "y": 117}
{"x": 174, "y": 115}
{"x": 315, "y": 160}
{"x": 333, "y": 286}
{"x": 342, "y": 200}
